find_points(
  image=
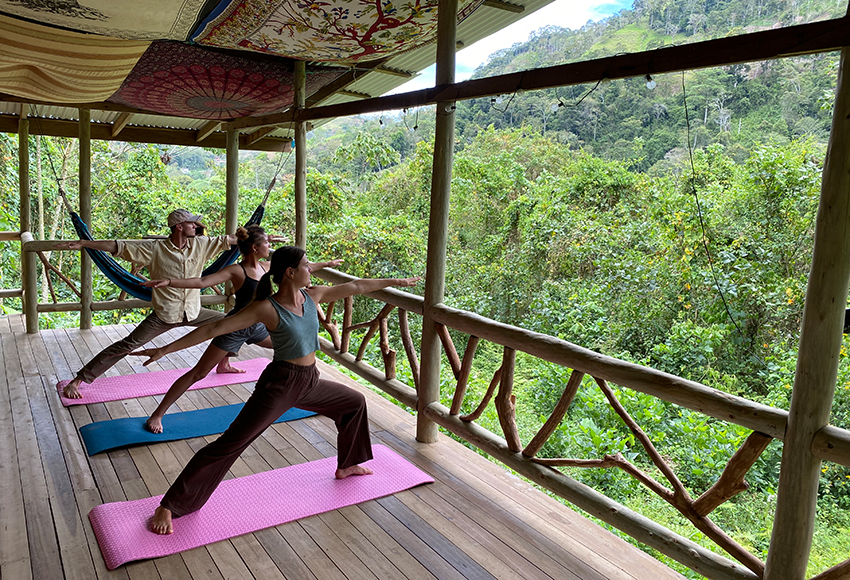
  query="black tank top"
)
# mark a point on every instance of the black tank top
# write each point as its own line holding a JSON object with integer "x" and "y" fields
{"x": 245, "y": 295}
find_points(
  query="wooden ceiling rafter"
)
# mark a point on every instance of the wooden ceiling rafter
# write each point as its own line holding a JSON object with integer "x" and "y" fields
{"x": 206, "y": 130}
{"x": 501, "y": 5}
{"x": 138, "y": 134}
{"x": 121, "y": 122}
{"x": 816, "y": 37}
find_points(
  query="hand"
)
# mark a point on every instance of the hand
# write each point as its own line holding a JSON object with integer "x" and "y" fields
{"x": 276, "y": 239}
{"x": 156, "y": 283}
{"x": 154, "y": 354}
{"x": 333, "y": 263}
{"x": 72, "y": 245}
{"x": 405, "y": 282}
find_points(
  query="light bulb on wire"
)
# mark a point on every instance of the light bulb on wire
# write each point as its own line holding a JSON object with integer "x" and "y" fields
{"x": 650, "y": 83}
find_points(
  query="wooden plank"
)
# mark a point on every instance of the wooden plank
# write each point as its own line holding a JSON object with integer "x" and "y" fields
{"x": 283, "y": 555}
{"x": 336, "y": 549}
{"x": 43, "y": 547}
{"x": 14, "y": 549}
{"x": 360, "y": 546}
{"x": 410, "y": 541}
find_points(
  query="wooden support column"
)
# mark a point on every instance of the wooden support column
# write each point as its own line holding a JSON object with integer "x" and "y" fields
{"x": 28, "y": 267}
{"x": 300, "y": 158}
{"x": 85, "y": 214}
{"x": 817, "y": 359}
{"x": 441, "y": 178}
{"x": 231, "y": 192}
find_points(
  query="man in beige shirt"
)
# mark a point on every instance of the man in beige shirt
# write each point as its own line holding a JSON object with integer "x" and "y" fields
{"x": 180, "y": 255}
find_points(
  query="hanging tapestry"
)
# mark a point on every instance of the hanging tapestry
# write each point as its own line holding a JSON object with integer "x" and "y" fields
{"x": 47, "y": 64}
{"x": 148, "y": 20}
{"x": 341, "y": 31}
{"x": 190, "y": 81}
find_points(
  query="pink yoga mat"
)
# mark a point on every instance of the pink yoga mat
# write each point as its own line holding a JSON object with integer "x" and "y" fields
{"x": 247, "y": 504}
{"x": 158, "y": 382}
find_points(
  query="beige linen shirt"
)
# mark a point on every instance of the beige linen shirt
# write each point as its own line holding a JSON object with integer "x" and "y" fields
{"x": 165, "y": 260}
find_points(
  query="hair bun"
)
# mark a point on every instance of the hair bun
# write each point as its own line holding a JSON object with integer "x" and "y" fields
{"x": 241, "y": 233}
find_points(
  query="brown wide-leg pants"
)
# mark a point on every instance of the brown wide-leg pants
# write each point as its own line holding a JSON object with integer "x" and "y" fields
{"x": 281, "y": 386}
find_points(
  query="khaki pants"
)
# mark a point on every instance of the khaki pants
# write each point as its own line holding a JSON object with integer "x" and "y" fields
{"x": 282, "y": 386}
{"x": 147, "y": 330}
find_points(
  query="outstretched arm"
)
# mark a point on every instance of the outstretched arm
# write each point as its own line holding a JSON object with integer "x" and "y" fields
{"x": 103, "y": 245}
{"x": 223, "y": 275}
{"x": 256, "y": 312}
{"x": 316, "y": 266}
{"x": 364, "y": 286}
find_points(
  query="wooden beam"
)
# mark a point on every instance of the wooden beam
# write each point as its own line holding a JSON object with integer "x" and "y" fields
{"x": 818, "y": 354}
{"x": 342, "y": 82}
{"x": 206, "y": 130}
{"x": 86, "y": 280}
{"x": 137, "y": 134}
{"x": 354, "y": 94}
{"x": 506, "y": 6}
{"x": 815, "y": 37}
{"x": 395, "y": 72}
{"x": 259, "y": 134}
{"x": 121, "y": 122}
{"x": 300, "y": 185}
{"x": 438, "y": 223}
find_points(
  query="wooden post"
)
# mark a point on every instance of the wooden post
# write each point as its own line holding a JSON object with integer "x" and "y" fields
{"x": 28, "y": 267}
{"x": 441, "y": 178}
{"x": 231, "y": 191}
{"x": 85, "y": 214}
{"x": 817, "y": 359}
{"x": 300, "y": 158}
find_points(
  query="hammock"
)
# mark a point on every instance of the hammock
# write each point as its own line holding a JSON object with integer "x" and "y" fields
{"x": 132, "y": 284}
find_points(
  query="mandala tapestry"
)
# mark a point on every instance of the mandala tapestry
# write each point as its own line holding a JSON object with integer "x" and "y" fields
{"x": 189, "y": 81}
{"x": 341, "y": 31}
{"x": 46, "y": 64}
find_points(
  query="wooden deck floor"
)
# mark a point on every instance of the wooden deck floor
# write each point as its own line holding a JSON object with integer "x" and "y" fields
{"x": 476, "y": 521}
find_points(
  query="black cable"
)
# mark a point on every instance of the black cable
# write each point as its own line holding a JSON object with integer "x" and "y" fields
{"x": 702, "y": 222}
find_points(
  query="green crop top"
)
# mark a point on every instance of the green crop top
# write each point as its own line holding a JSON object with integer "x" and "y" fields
{"x": 295, "y": 336}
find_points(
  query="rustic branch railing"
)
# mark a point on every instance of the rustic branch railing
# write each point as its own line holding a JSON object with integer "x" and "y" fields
{"x": 766, "y": 423}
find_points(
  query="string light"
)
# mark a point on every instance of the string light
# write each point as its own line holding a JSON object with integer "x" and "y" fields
{"x": 650, "y": 83}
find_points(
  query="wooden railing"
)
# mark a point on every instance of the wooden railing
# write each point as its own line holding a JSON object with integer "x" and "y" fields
{"x": 31, "y": 249}
{"x": 767, "y": 423}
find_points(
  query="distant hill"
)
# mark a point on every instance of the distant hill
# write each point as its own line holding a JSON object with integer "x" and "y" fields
{"x": 737, "y": 106}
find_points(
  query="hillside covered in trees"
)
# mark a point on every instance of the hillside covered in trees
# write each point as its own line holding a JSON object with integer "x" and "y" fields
{"x": 670, "y": 226}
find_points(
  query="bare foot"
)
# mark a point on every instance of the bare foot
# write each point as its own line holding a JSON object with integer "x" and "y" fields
{"x": 160, "y": 523}
{"x": 353, "y": 470}
{"x": 154, "y": 424}
{"x": 224, "y": 366}
{"x": 72, "y": 389}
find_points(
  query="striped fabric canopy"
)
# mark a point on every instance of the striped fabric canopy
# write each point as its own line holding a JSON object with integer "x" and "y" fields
{"x": 48, "y": 64}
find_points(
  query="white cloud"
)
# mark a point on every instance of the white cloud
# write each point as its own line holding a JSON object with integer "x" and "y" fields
{"x": 564, "y": 13}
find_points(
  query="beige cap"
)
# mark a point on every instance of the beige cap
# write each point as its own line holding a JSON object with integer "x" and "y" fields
{"x": 178, "y": 216}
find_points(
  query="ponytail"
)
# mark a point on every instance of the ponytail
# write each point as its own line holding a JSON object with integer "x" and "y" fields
{"x": 282, "y": 258}
{"x": 264, "y": 287}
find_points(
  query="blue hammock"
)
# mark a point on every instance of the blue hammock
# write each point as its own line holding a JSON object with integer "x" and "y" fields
{"x": 132, "y": 284}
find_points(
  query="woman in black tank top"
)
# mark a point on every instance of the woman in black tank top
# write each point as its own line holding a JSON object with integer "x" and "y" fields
{"x": 254, "y": 245}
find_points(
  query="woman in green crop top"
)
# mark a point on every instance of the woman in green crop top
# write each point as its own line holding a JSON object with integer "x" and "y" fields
{"x": 291, "y": 380}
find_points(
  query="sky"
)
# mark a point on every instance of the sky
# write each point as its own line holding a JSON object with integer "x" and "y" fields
{"x": 564, "y": 13}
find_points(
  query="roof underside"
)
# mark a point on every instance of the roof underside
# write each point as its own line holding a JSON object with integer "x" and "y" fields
{"x": 172, "y": 72}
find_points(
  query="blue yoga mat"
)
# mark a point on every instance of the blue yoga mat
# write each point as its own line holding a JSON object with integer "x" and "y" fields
{"x": 117, "y": 433}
